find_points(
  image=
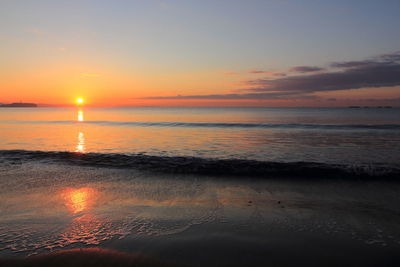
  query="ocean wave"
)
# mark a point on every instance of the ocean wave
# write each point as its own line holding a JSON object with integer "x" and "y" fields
{"x": 205, "y": 166}
{"x": 224, "y": 125}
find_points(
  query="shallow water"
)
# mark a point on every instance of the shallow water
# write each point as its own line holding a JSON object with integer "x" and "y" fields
{"x": 44, "y": 207}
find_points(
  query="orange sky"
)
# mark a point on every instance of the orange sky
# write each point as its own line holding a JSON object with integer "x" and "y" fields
{"x": 120, "y": 53}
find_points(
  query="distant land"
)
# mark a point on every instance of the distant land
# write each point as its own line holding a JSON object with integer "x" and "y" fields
{"x": 18, "y": 105}
{"x": 370, "y": 107}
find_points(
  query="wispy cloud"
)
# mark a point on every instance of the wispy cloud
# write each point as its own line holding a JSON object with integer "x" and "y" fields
{"x": 268, "y": 73}
{"x": 352, "y": 64}
{"x": 305, "y": 69}
{"x": 381, "y": 71}
{"x": 266, "y": 95}
{"x": 351, "y": 75}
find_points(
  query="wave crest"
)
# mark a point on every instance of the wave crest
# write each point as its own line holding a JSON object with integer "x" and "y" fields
{"x": 194, "y": 165}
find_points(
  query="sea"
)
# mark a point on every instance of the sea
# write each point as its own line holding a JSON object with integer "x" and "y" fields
{"x": 161, "y": 181}
{"x": 346, "y": 136}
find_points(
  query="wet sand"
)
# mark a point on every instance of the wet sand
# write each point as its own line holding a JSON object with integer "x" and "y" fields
{"x": 193, "y": 220}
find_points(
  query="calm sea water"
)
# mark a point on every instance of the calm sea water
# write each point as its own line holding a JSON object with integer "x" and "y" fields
{"x": 327, "y": 135}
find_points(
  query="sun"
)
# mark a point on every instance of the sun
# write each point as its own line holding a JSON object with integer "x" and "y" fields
{"x": 79, "y": 101}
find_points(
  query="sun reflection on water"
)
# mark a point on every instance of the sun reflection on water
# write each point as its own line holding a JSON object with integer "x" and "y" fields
{"x": 80, "y": 147}
{"x": 80, "y": 115}
{"x": 79, "y": 200}
{"x": 85, "y": 227}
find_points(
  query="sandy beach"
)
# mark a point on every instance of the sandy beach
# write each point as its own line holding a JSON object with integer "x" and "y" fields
{"x": 194, "y": 220}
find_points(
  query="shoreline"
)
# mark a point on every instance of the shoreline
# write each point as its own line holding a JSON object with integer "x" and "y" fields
{"x": 199, "y": 220}
{"x": 208, "y": 166}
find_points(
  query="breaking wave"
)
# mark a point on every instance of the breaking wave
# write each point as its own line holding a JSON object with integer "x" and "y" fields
{"x": 205, "y": 166}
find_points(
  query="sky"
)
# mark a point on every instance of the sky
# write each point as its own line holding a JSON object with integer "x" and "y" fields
{"x": 200, "y": 53}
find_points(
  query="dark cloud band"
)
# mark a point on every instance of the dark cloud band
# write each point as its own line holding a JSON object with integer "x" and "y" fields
{"x": 381, "y": 71}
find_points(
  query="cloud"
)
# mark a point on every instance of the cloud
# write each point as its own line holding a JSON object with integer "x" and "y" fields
{"x": 393, "y": 57}
{"x": 257, "y": 72}
{"x": 266, "y": 95}
{"x": 352, "y": 64}
{"x": 381, "y": 71}
{"x": 305, "y": 69}
{"x": 382, "y": 60}
{"x": 268, "y": 73}
{"x": 354, "y": 78}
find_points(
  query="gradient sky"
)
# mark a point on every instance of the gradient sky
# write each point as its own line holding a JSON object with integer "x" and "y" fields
{"x": 200, "y": 53}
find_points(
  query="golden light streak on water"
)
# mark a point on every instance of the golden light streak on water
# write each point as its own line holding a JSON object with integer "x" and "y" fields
{"x": 80, "y": 115}
{"x": 79, "y": 200}
{"x": 80, "y": 147}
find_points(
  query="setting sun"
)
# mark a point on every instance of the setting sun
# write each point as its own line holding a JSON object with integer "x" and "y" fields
{"x": 79, "y": 101}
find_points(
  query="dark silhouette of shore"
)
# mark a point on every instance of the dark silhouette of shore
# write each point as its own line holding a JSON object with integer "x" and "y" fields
{"x": 18, "y": 105}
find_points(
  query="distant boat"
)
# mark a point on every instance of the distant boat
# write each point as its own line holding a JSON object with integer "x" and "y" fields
{"x": 19, "y": 105}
